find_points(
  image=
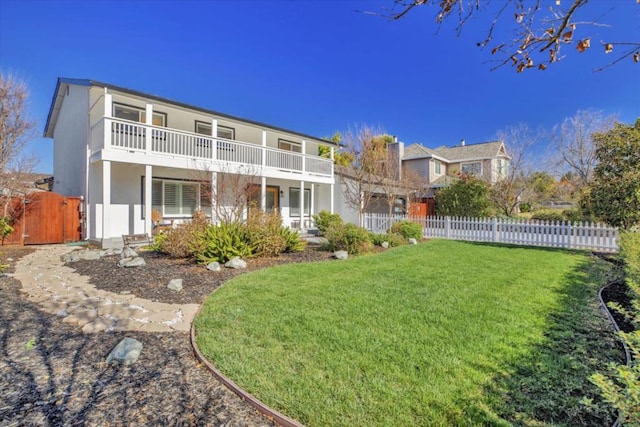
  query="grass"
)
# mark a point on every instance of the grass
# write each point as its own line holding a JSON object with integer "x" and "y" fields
{"x": 442, "y": 333}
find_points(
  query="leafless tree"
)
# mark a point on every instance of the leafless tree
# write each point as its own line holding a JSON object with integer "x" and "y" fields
{"x": 396, "y": 181}
{"x": 15, "y": 131}
{"x": 361, "y": 180}
{"x": 540, "y": 28}
{"x": 232, "y": 194}
{"x": 574, "y": 146}
{"x": 515, "y": 186}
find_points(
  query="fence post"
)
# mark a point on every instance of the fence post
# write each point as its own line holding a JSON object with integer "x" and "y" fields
{"x": 569, "y": 234}
{"x": 447, "y": 226}
{"x": 494, "y": 229}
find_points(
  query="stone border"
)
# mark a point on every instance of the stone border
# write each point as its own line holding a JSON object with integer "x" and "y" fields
{"x": 265, "y": 410}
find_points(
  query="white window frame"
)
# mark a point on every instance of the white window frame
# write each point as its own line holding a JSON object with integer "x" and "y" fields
{"x": 462, "y": 165}
{"x": 292, "y": 146}
{"x": 307, "y": 201}
{"x": 181, "y": 183}
{"x": 141, "y": 113}
{"x": 229, "y": 131}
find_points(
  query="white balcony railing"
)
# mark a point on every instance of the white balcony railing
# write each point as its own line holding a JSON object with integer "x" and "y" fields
{"x": 133, "y": 136}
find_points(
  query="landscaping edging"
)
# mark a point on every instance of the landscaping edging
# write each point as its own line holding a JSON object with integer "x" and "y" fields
{"x": 265, "y": 410}
{"x": 627, "y": 352}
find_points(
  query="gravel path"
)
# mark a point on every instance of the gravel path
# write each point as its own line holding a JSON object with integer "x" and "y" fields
{"x": 53, "y": 374}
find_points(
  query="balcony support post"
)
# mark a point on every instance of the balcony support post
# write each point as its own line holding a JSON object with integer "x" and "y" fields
{"x": 214, "y": 196}
{"x": 301, "y": 204}
{"x": 148, "y": 224}
{"x": 331, "y": 198}
{"x": 263, "y": 193}
{"x": 148, "y": 131}
{"x": 106, "y": 199}
{"x": 312, "y": 197}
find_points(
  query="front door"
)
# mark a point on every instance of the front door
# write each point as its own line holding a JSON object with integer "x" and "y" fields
{"x": 272, "y": 202}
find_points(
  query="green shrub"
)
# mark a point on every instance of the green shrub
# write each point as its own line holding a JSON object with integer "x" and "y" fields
{"x": 392, "y": 238}
{"x": 573, "y": 215}
{"x": 292, "y": 240}
{"x": 263, "y": 233}
{"x": 348, "y": 237}
{"x": 5, "y": 226}
{"x": 182, "y": 241}
{"x": 621, "y": 387}
{"x": 525, "y": 207}
{"x": 222, "y": 242}
{"x": 548, "y": 215}
{"x": 324, "y": 220}
{"x": 407, "y": 229}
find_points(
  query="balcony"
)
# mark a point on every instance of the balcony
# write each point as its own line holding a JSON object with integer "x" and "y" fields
{"x": 154, "y": 145}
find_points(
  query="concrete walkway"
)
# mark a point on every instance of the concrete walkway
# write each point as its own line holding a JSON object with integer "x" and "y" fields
{"x": 60, "y": 290}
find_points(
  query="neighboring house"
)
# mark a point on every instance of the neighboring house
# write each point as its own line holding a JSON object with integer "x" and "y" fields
{"x": 487, "y": 160}
{"x": 130, "y": 155}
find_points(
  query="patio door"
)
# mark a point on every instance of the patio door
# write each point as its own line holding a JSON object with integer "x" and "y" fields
{"x": 272, "y": 196}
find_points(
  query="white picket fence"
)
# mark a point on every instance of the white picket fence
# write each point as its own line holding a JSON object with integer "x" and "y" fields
{"x": 556, "y": 234}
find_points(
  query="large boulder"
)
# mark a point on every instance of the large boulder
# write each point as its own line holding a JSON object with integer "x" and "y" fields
{"x": 341, "y": 254}
{"x": 175, "y": 285}
{"x": 89, "y": 255}
{"x": 127, "y": 252}
{"x": 132, "y": 262}
{"x": 126, "y": 352}
{"x": 236, "y": 262}
{"x": 71, "y": 257}
{"x": 214, "y": 266}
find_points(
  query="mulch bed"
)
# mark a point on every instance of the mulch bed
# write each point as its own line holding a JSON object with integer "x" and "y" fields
{"x": 53, "y": 374}
{"x": 150, "y": 281}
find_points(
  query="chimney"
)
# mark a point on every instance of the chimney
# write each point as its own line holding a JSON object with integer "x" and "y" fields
{"x": 395, "y": 138}
{"x": 462, "y": 142}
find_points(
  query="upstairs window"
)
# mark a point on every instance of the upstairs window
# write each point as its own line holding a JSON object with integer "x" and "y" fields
{"x": 204, "y": 128}
{"x": 135, "y": 114}
{"x": 503, "y": 168}
{"x": 296, "y": 147}
{"x": 474, "y": 168}
{"x": 437, "y": 167}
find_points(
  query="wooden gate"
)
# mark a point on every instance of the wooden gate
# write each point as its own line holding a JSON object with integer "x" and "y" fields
{"x": 45, "y": 218}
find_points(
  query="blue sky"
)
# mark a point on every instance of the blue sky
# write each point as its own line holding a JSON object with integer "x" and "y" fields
{"x": 311, "y": 66}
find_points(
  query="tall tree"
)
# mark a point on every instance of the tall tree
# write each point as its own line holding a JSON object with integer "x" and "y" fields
{"x": 614, "y": 195}
{"x": 541, "y": 29}
{"x": 466, "y": 197}
{"x": 15, "y": 131}
{"x": 574, "y": 146}
{"x": 515, "y": 186}
{"x": 368, "y": 147}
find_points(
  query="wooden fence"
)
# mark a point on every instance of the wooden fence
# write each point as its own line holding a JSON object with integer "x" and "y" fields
{"x": 557, "y": 234}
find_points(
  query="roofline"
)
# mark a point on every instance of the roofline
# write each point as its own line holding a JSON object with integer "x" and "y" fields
{"x": 95, "y": 83}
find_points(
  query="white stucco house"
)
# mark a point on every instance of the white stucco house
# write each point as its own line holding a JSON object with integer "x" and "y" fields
{"x": 132, "y": 155}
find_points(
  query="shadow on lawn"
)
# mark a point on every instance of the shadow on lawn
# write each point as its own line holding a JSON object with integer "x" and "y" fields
{"x": 52, "y": 374}
{"x": 548, "y": 384}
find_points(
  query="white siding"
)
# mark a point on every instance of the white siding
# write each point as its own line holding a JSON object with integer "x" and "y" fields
{"x": 70, "y": 148}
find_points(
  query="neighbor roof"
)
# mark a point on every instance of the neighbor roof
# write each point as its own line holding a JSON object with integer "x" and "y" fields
{"x": 56, "y": 104}
{"x": 483, "y": 150}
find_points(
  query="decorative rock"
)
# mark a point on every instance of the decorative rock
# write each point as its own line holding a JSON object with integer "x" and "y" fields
{"x": 413, "y": 241}
{"x": 236, "y": 262}
{"x": 341, "y": 254}
{"x": 175, "y": 285}
{"x": 214, "y": 266}
{"x": 111, "y": 251}
{"x": 71, "y": 257}
{"x": 132, "y": 262}
{"x": 316, "y": 240}
{"x": 385, "y": 245}
{"x": 127, "y": 252}
{"x": 126, "y": 352}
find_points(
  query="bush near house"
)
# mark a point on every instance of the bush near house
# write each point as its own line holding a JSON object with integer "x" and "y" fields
{"x": 262, "y": 235}
{"x": 325, "y": 219}
{"x": 407, "y": 229}
{"x": 393, "y": 239}
{"x": 348, "y": 237}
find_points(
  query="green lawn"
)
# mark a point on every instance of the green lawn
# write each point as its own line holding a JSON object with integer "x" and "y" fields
{"x": 442, "y": 333}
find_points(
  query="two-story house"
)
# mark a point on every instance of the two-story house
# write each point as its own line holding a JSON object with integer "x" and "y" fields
{"x": 135, "y": 157}
{"x": 487, "y": 160}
